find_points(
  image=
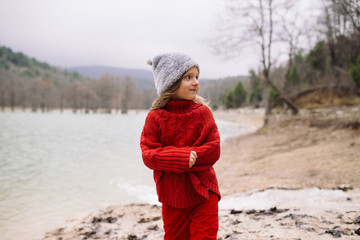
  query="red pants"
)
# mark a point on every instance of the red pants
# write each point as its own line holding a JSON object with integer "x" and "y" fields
{"x": 194, "y": 223}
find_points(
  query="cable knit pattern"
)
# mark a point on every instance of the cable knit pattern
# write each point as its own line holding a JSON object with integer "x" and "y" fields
{"x": 168, "y": 137}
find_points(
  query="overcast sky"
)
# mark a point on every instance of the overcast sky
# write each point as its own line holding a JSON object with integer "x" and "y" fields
{"x": 119, "y": 33}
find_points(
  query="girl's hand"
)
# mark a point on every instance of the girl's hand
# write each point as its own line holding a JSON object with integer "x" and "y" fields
{"x": 192, "y": 160}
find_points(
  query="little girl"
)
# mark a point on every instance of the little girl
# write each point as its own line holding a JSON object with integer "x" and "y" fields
{"x": 180, "y": 142}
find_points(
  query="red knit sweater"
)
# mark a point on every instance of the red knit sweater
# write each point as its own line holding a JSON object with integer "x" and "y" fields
{"x": 168, "y": 136}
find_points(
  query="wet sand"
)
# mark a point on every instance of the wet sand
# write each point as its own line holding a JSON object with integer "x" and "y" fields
{"x": 295, "y": 179}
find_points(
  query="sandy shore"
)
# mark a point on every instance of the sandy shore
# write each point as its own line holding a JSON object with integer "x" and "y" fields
{"x": 296, "y": 179}
{"x": 293, "y": 152}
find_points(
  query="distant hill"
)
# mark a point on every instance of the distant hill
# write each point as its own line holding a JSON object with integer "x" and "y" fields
{"x": 21, "y": 66}
{"x": 98, "y": 71}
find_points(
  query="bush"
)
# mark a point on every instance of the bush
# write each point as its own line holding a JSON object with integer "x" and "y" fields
{"x": 239, "y": 95}
{"x": 256, "y": 90}
{"x": 4, "y": 64}
{"x": 355, "y": 71}
{"x": 274, "y": 95}
{"x": 294, "y": 76}
{"x": 228, "y": 100}
{"x": 317, "y": 56}
{"x": 235, "y": 98}
{"x": 256, "y": 96}
{"x": 27, "y": 73}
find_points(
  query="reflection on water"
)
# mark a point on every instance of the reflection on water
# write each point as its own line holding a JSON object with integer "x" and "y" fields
{"x": 55, "y": 166}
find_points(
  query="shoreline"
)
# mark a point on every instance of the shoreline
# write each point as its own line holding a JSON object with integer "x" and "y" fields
{"x": 294, "y": 152}
{"x": 69, "y": 110}
{"x": 281, "y": 221}
{"x": 283, "y": 182}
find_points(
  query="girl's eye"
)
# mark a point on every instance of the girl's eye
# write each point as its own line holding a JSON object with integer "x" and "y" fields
{"x": 188, "y": 77}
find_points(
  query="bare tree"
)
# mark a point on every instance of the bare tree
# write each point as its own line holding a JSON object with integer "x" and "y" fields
{"x": 75, "y": 93}
{"x": 47, "y": 95}
{"x": 252, "y": 22}
{"x": 295, "y": 33}
{"x": 128, "y": 87}
{"x": 335, "y": 27}
{"x": 341, "y": 26}
{"x": 351, "y": 9}
{"x": 63, "y": 88}
{"x": 118, "y": 94}
{"x": 106, "y": 90}
{"x": 4, "y": 87}
{"x": 90, "y": 98}
{"x": 344, "y": 16}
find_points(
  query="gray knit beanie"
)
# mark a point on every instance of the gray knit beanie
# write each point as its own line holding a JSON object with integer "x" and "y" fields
{"x": 168, "y": 68}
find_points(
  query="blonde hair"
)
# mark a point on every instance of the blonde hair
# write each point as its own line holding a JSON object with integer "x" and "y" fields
{"x": 164, "y": 98}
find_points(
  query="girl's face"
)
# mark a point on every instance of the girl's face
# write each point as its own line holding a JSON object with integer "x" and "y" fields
{"x": 189, "y": 85}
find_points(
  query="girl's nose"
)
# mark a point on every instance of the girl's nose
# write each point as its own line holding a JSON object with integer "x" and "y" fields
{"x": 196, "y": 81}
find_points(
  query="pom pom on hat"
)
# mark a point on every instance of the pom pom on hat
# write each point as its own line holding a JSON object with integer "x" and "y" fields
{"x": 168, "y": 68}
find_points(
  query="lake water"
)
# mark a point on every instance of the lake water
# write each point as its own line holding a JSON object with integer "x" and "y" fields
{"x": 57, "y": 166}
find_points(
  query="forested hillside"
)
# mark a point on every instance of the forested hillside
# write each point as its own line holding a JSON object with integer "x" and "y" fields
{"x": 28, "y": 83}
